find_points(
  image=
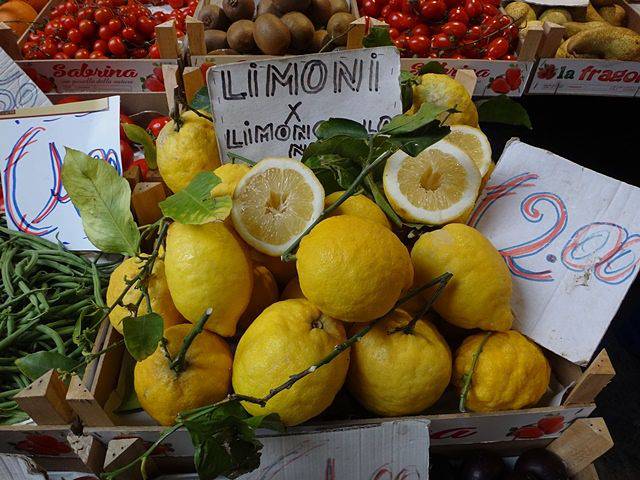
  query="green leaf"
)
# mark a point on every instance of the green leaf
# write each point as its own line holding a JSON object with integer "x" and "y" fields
{"x": 407, "y": 81}
{"x": 37, "y": 364}
{"x": 341, "y": 169}
{"x": 103, "y": 199}
{"x": 402, "y": 124}
{"x": 378, "y": 37}
{"x": 225, "y": 442}
{"x": 130, "y": 402}
{"x": 416, "y": 142}
{"x": 140, "y": 136}
{"x": 381, "y": 201}
{"x": 201, "y": 100}
{"x": 142, "y": 334}
{"x": 340, "y": 126}
{"x": 354, "y": 149}
{"x": 194, "y": 205}
{"x": 502, "y": 109}
{"x": 432, "y": 67}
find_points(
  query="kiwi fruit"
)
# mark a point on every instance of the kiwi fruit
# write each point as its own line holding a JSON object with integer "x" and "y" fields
{"x": 239, "y": 9}
{"x": 223, "y": 51}
{"x": 320, "y": 12}
{"x": 215, "y": 39}
{"x": 337, "y": 27}
{"x": 240, "y": 36}
{"x": 267, "y": 6}
{"x": 213, "y": 18}
{"x": 301, "y": 30}
{"x": 286, "y": 6}
{"x": 271, "y": 35}
{"x": 320, "y": 39}
{"x": 338, "y": 6}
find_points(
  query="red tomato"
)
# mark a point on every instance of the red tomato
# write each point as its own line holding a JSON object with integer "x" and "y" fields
{"x": 474, "y": 33}
{"x": 371, "y": 8}
{"x": 454, "y": 29}
{"x": 114, "y": 25}
{"x": 400, "y": 42}
{"x": 421, "y": 29}
{"x": 458, "y": 14}
{"x": 81, "y": 54}
{"x": 100, "y": 46}
{"x": 68, "y": 22}
{"x": 141, "y": 163}
{"x": 154, "y": 51}
{"x": 511, "y": 57}
{"x": 440, "y": 42}
{"x": 70, "y": 49}
{"x": 117, "y": 46}
{"x": 61, "y": 56}
{"x": 393, "y": 33}
{"x": 69, "y": 99}
{"x": 473, "y": 8}
{"x": 157, "y": 124}
{"x": 146, "y": 26}
{"x": 490, "y": 10}
{"x": 126, "y": 154}
{"x": 50, "y": 47}
{"x": 419, "y": 44}
{"x": 512, "y": 31}
{"x": 505, "y": 20}
{"x": 401, "y": 21}
{"x": 71, "y": 7}
{"x": 139, "y": 52}
{"x": 104, "y": 33}
{"x": 498, "y": 47}
{"x": 103, "y": 15}
{"x": 433, "y": 9}
{"x": 385, "y": 12}
{"x": 159, "y": 17}
{"x": 86, "y": 28}
{"x": 86, "y": 13}
{"x": 175, "y": 4}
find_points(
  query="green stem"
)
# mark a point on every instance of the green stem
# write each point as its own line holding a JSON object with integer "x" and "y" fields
{"x": 178, "y": 363}
{"x": 466, "y": 386}
{"x": 441, "y": 281}
{"x": 235, "y": 156}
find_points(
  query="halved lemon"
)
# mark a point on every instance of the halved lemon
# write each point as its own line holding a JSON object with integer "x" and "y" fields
{"x": 435, "y": 187}
{"x": 474, "y": 143}
{"x": 275, "y": 202}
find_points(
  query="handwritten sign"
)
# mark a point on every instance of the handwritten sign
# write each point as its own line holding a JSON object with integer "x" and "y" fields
{"x": 17, "y": 90}
{"x": 271, "y": 107}
{"x": 31, "y": 155}
{"x": 571, "y": 238}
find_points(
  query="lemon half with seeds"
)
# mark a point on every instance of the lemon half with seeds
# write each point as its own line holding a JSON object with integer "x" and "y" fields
{"x": 474, "y": 143}
{"x": 435, "y": 187}
{"x": 274, "y": 204}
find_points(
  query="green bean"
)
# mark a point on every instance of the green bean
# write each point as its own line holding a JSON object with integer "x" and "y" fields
{"x": 11, "y": 326}
{"x": 9, "y": 368}
{"x": 5, "y": 270}
{"x": 22, "y": 296}
{"x": 9, "y": 339}
{"x": 96, "y": 286}
{"x": 53, "y": 335}
{"x": 9, "y": 393}
{"x": 21, "y": 380}
{"x": 68, "y": 310}
{"x": 8, "y": 405}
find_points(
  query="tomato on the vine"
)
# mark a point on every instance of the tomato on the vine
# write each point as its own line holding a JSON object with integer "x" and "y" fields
{"x": 117, "y": 46}
{"x": 86, "y": 28}
{"x": 156, "y": 124}
{"x": 401, "y": 21}
{"x": 421, "y": 29}
{"x": 154, "y": 51}
{"x": 97, "y": 54}
{"x": 458, "y": 14}
{"x": 433, "y": 9}
{"x": 474, "y": 32}
{"x": 371, "y": 8}
{"x": 146, "y": 26}
{"x": 419, "y": 44}
{"x": 139, "y": 52}
{"x": 454, "y": 29}
{"x": 114, "y": 25}
{"x": 175, "y": 4}
{"x": 497, "y": 48}
{"x": 441, "y": 42}
{"x": 70, "y": 49}
{"x": 103, "y": 15}
{"x": 473, "y": 8}
{"x": 85, "y": 13}
{"x": 81, "y": 54}
{"x": 104, "y": 33}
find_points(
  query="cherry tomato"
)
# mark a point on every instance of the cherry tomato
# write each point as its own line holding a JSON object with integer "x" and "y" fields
{"x": 393, "y": 33}
{"x": 154, "y": 51}
{"x": 400, "y": 42}
{"x": 505, "y": 20}
{"x": 474, "y": 32}
{"x": 104, "y": 33}
{"x": 473, "y": 8}
{"x": 419, "y": 44}
{"x": 371, "y": 8}
{"x": 433, "y": 9}
{"x": 100, "y": 45}
{"x": 103, "y": 15}
{"x": 146, "y": 26}
{"x": 116, "y": 46}
{"x": 175, "y": 4}
{"x": 495, "y": 3}
{"x": 126, "y": 154}
{"x": 402, "y": 21}
{"x": 157, "y": 124}
{"x": 385, "y": 12}
{"x": 440, "y": 42}
{"x": 50, "y": 47}
{"x": 81, "y": 54}
{"x": 458, "y": 14}
{"x": 512, "y": 31}
{"x": 453, "y": 3}
{"x": 454, "y": 29}
{"x": 114, "y": 25}
{"x": 68, "y": 22}
{"x": 421, "y": 29}
{"x": 139, "y": 52}
{"x": 491, "y": 25}
{"x": 497, "y": 48}
{"x": 86, "y": 28}
{"x": 97, "y": 54}
{"x": 53, "y": 29}
{"x": 490, "y": 10}
{"x": 85, "y": 13}
{"x": 159, "y": 17}
{"x": 511, "y": 57}
{"x": 70, "y": 49}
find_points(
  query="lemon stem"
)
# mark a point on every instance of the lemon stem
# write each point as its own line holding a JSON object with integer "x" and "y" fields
{"x": 466, "y": 378}
{"x": 178, "y": 363}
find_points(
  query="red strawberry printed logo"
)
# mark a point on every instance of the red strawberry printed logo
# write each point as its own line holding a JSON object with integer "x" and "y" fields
{"x": 551, "y": 424}
{"x": 547, "y": 72}
{"x": 513, "y": 76}
{"x": 152, "y": 83}
{"x": 500, "y": 85}
{"x": 157, "y": 72}
{"x": 531, "y": 431}
{"x": 43, "y": 445}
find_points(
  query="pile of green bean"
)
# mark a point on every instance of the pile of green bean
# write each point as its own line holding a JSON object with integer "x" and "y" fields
{"x": 50, "y": 300}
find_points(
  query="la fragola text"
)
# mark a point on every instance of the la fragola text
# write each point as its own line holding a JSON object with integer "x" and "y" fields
{"x": 592, "y": 74}
{"x": 61, "y": 70}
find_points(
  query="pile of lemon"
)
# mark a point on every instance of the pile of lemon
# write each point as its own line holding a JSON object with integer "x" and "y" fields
{"x": 349, "y": 270}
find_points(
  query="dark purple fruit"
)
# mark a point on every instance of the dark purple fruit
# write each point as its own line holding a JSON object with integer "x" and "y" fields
{"x": 541, "y": 464}
{"x": 482, "y": 466}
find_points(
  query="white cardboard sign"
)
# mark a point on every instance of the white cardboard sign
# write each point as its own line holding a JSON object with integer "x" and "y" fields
{"x": 270, "y": 108}
{"x": 571, "y": 239}
{"x": 17, "y": 90}
{"x": 32, "y": 149}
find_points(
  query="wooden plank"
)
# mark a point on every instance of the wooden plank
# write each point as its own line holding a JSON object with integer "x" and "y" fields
{"x": 195, "y": 37}
{"x": 589, "y": 473}
{"x": 145, "y": 199}
{"x": 86, "y": 406}
{"x": 530, "y": 40}
{"x": 123, "y": 451}
{"x": 360, "y": 29}
{"x": 167, "y": 39}
{"x": 553, "y": 37}
{"x": 170, "y": 72}
{"x": 597, "y": 375}
{"x": 44, "y": 400}
{"x": 133, "y": 175}
{"x": 468, "y": 79}
{"x": 193, "y": 81}
{"x": 90, "y": 450}
{"x": 582, "y": 443}
{"x": 9, "y": 41}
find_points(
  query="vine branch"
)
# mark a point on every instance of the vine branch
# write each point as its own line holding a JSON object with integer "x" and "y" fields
{"x": 466, "y": 378}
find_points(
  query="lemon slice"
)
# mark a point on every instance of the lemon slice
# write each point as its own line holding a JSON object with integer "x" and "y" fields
{"x": 474, "y": 143}
{"x": 275, "y": 202}
{"x": 435, "y": 187}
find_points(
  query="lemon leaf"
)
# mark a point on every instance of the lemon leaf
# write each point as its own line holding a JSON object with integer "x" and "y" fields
{"x": 142, "y": 334}
{"x": 378, "y": 37}
{"x": 502, "y": 109}
{"x": 341, "y": 170}
{"x": 201, "y": 100}
{"x": 194, "y": 204}
{"x": 340, "y": 126}
{"x": 140, "y": 136}
{"x": 417, "y": 141}
{"x": 403, "y": 124}
{"x": 103, "y": 199}
{"x": 37, "y": 364}
{"x": 431, "y": 67}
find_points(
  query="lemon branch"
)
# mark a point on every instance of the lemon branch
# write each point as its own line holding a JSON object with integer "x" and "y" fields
{"x": 178, "y": 363}
{"x": 466, "y": 378}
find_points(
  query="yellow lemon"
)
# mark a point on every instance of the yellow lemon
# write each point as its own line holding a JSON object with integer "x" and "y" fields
{"x": 479, "y": 294}
{"x": 511, "y": 372}
{"x": 230, "y": 174}
{"x": 161, "y": 302}
{"x": 444, "y": 91}
{"x": 353, "y": 269}
{"x": 287, "y": 338}
{"x": 207, "y": 267}
{"x": 185, "y": 153}
{"x": 265, "y": 292}
{"x": 393, "y": 373}
{"x": 282, "y": 271}
{"x": 358, "y": 206}
{"x": 474, "y": 143}
{"x": 292, "y": 290}
{"x": 163, "y": 393}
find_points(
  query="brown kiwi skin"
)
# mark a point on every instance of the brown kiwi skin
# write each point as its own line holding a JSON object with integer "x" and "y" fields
{"x": 301, "y": 30}
{"x": 286, "y": 6}
{"x": 320, "y": 39}
{"x": 339, "y": 6}
{"x": 337, "y": 27}
{"x": 320, "y": 12}
{"x": 213, "y": 18}
{"x": 267, "y": 6}
{"x": 239, "y": 9}
{"x": 215, "y": 39}
{"x": 240, "y": 36}
{"x": 223, "y": 51}
{"x": 271, "y": 35}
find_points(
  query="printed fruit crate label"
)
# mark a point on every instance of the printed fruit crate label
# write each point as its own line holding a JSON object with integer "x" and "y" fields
{"x": 493, "y": 77}
{"x": 586, "y": 77}
{"x": 32, "y": 150}
{"x": 91, "y": 76}
{"x": 571, "y": 238}
{"x": 270, "y": 108}
{"x": 17, "y": 90}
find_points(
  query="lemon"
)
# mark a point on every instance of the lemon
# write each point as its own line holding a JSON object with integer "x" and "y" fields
{"x": 207, "y": 267}
{"x": 396, "y": 373}
{"x": 287, "y": 338}
{"x": 161, "y": 302}
{"x": 183, "y": 154}
{"x": 479, "y": 294}
{"x": 265, "y": 292}
{"x": 282, "y": 271}
{"x": 353, "y": 269}
{"x": 230, "y": 174}
{"x": 474, "y": 143}
{"x": 275, "y": 203}
{"x": 444, "y": 91}
{"x": 206, "y": 378}
{"x": 511, "y": 372}
{"x": 358, "y": 206}
{"x": 435, "y": 187}
{"x": 292, "y": 290}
